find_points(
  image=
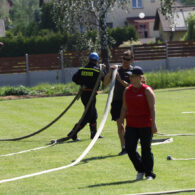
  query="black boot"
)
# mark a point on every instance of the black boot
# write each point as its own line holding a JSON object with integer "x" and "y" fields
{"x": 93, "y": 129}
{"x": 73, "y": 134}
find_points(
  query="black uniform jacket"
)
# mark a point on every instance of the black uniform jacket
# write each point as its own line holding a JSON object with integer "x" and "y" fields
{"x": 87, "y": 76}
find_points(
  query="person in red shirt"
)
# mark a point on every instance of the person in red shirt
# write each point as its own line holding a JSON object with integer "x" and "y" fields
{"x": 139, "y": 110}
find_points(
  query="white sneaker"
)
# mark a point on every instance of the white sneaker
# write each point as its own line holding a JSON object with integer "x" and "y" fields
{"x": 139, "y": 176}
{"x": 149, "y": 178}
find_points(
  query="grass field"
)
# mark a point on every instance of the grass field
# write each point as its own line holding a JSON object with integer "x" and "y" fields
{"x": 102, "y": 171}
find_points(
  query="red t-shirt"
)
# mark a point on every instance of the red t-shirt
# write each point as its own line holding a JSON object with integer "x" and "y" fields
{"x": 138, "y": 111}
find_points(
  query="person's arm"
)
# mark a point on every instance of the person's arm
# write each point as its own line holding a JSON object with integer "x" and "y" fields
{"x": 151, "y": 102}
{"x": 123, "y": 109}
{"x": 77, "y": 78}
{"x": 122, "y": 82}
{"x": 108, "y": 77}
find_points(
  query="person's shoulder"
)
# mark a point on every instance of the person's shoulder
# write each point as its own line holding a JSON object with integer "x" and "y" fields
{"x": 129, "y": 87}
{"x": 148, "y": 89}
{"x": 96, "y": 68}
{"x": 89, "y": 67}
{"x": 145, "y": 86}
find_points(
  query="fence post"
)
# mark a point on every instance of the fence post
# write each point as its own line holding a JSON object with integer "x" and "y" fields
{"x": 62, "y": 65}
{"x": 28, "y": 82}
{"x": 133, "y": 63}
{"x": 167, "y": 56}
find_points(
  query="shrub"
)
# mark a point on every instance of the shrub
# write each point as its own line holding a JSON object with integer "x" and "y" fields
{"x": 168, "y": 79}
{"x": 121, "y": 34}
{"x": 46, "y": 41}
{"x": 190, "y": 34}
{"x": 20, "y": 45}
{"x": 21, "y": 90}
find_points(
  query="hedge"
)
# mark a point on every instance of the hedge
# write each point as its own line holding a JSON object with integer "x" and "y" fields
{"x": 52, "y": 42}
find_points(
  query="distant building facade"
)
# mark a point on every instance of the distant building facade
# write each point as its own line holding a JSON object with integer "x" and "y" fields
{"x": 175, "y": 27}
{"x": 133, "y": 14}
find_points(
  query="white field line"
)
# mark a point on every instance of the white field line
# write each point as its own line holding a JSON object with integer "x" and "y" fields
{"x": 170, "y": 135}
{"x": 43, "y": 147}
{"x": 165, "y": 142}
{"x": 166, "y": 192}
{"x": 76, "y": 161}
{"x": 193, "y": 112}
{"x": 183, "y": 159}
{"x": 86, "y": 150}
{"x": 29, "y": 150}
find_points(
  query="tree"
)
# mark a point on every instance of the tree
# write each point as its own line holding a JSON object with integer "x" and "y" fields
{"x": 190, "y": 34}
{"x": 47, "y": 17}
{"x": 90, "y": 14}
{"x": 86, "y": 15}
{"x": 166, "y": 7}
{"x": 188, "y": 2}
{"x": 4, "y": 13}
{"x": 24, "y": 12}
{"x": 2, "y": 9}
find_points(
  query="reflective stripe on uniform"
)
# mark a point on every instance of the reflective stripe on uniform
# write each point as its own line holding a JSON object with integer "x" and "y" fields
{"x": 86, "y": 73}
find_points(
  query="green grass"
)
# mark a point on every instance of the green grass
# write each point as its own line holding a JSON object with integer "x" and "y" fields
{"x": 101, "y": 171}
{"x": 168, "y": 79}
{"x": 158, "y": 80}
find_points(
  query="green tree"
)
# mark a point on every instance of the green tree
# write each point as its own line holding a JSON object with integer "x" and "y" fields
{"x": 190, "y": 34}
{"x": 2, "y": 8}
{"x": 121, "y": 34}
{"x": 4, "y": 14}
{"x": 47, "y": 16}
{"x": 91, "y": 14}
{"x": 188, "y": 2}
{"x": 166, "y": 7}
{"x": 88, "y": 15}
{"x": 24, "y": 12}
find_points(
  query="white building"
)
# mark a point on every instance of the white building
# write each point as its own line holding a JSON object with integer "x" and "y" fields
{"x": 118, "y": 16}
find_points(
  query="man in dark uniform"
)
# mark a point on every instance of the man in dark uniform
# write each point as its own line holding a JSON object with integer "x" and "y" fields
{"x": 122, "y": 81}
{"x": 87, "y": 77}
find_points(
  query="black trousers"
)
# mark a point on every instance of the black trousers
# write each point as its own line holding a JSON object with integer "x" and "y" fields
{"x": 145, "y": 162}
{"x": 116, "y": 109}
{"x": 91, "y": 115}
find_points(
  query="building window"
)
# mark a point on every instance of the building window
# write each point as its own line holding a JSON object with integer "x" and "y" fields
{"x": 137, "y": 4}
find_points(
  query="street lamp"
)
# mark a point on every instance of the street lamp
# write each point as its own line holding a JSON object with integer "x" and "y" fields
{"x": 141, "y": 15}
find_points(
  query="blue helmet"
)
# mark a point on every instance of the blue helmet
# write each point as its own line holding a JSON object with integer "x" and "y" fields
{"x": 94, "y": 56}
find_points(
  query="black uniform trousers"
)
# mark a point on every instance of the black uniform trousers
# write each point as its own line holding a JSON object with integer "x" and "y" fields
{"x": 143, "y": 163}
{"x": 91, "y": 115}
